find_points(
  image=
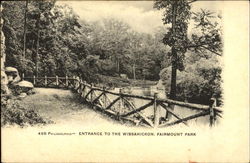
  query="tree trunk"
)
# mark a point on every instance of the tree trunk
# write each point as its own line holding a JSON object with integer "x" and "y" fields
{"x": 134, "y": 70}
{"x": 24, "y": 29}
{"x": 118, "y": 66}
{"x": 174, "y": 55}
{"x": 37, "y": 44}
{"x": 37, "y": 49}
{"x": 173, "y": 76}
{"x": 174, "y": 60}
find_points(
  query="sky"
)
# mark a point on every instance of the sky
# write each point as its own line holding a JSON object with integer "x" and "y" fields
{"x": 140, "y": 15}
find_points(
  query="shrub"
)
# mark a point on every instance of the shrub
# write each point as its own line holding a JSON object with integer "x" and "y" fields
{"x": 14, "y": 113}
{"x": 198, "y": 83}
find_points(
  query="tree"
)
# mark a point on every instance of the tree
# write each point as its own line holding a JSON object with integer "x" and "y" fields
{"x": 116, "y": 40}
{"x": 178, "y": 14}
{"x": 24, "y": 29}
{"x": 57, "y": 37}
{"x": 69, "y": 33}
{"x": 200, "y": 80}
{"x": 13, "y": 28}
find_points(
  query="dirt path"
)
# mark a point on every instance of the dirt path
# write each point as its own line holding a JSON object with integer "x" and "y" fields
{"x": 64, "y": 107}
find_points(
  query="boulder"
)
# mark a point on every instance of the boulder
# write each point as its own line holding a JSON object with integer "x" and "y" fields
{"x": 25, "y": 84}
{"x": 4, "y": 78}
{"x": 22, "y": 95}
{"x": 4, "y": 83}
{"x": 13, "y": 75}
{"x": 22, "y": 87}
{"x": 16, "y": 79}
{"x": 11, "y": 70}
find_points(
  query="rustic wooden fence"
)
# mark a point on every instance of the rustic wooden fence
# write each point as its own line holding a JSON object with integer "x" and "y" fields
{"x": 124, "y": 106}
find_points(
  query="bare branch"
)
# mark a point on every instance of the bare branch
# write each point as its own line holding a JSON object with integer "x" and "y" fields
{"x": 203, "y": 46}
{"x": 195, "y": 46}
{"x": 192, "y": 1}
{"x": 212, "y": 51}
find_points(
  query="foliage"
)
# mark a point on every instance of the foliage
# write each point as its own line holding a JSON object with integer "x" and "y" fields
{"x": 14, "y": 113}
{"x": 109, "y": 81}
{"x": 57, "y": 40}
{"x": 59, "y": 43}
{"x": 200, "y": 81}
{"x": 13, "y": 29}
{"x": 178, "y": 14}
{"x": 88, "y": 69}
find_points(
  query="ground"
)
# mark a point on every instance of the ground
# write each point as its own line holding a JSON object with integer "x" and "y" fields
{"x": 64, "y": 107}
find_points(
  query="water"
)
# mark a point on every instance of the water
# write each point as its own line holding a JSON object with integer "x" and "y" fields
{"x": 149, "y": 91}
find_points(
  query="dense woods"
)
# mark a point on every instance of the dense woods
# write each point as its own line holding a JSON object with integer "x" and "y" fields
{"x": 44, "y": 38}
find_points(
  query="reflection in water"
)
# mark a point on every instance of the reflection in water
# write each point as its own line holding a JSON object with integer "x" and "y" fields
{"x": 148, "y": 91}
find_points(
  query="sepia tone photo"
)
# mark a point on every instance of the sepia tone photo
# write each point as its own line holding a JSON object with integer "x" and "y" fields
{"x": 89, "y": 75}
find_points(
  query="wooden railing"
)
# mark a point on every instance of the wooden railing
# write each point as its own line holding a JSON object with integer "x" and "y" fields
{"x": 141, "y": 110}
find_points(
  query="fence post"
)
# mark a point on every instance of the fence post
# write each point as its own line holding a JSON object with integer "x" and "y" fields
{"x": 91, "y": 94}
{"x": 77, "y": 82}
{"x": 104, "y": 98}
{"x": 66, "y": 81}
{"x": 80, "y": 87}
{"x": 211, "y": 110}
{"x": 45, "y": 81}
{"x": 156, "y": 111}
{"x": 75, "y": 85}
{"x": 34, "y": 80}
{"x": 84, "y": 89}
{"x": 120, "y": 101}
{"x": 57, "y": 83}
{"x": 22, "y": 76}
{"x": 74, "y": 82}
{"x": 168, "y": 115}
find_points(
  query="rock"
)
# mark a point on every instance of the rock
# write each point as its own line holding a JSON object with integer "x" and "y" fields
{"x": 22, "y": 87}
{"x": 4, "y": 78}
{"x": 4, "y": 89}
{"x": 13, "y": 75}
{"x": 10, "y": 79}
{"x": 4, "y": 101}
{"x": 16, "y": 79}
{"x": 22, "y": 95}
{"x": 2, "y": 47}
{"x": 31, "y": 92}
{"x": 4, "y": 83}
{"x": 25, "y": 84}
{"x": 11, "y": 70}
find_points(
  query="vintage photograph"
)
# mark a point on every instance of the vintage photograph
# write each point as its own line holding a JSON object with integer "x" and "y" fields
{"x": 151, "y": 66}
{"x": 159, "y": 68}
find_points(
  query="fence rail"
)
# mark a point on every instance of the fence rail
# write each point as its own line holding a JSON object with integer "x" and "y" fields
{"x": 123, "y": 106}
